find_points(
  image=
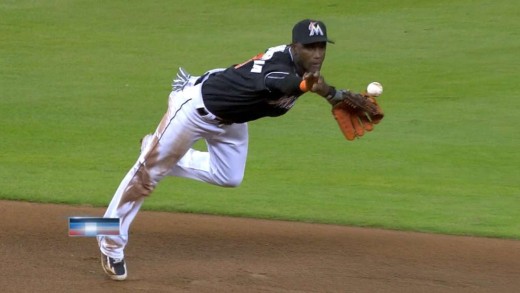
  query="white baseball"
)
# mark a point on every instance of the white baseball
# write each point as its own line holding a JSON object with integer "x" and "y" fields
{"x": 375, "y": 89}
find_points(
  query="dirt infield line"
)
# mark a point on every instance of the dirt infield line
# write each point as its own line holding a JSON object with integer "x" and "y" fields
{"x": 172, "y": 252}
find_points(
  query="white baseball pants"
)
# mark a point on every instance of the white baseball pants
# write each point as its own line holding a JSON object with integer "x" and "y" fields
{"x": 170, "y": 153}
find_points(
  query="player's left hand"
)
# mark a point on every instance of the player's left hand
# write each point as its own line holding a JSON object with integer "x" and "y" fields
{"x": 356, "y": 114}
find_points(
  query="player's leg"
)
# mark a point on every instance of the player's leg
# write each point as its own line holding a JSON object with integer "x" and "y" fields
{"x": 175, "y": 134}
{"x": 224, "y": 162}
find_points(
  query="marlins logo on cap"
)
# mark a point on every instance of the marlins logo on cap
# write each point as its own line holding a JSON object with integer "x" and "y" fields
{"x": 315, "y": 29}
{"x": 310, "y": 31}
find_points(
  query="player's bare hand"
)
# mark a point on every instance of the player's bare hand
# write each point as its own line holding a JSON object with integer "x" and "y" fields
{"x": 320, "y": 87}
{"x": 315, "y": 83}
{"x": 310, "y": 79}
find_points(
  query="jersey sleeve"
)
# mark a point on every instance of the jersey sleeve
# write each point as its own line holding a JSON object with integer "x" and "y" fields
{"x": 283, "y": 81}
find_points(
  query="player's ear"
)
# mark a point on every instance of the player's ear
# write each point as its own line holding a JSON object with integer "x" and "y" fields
{"x": 295, "y": 48}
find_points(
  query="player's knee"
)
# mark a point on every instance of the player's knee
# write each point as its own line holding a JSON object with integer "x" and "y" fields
{"x": 144, "y": 182}
{"x": 230, "y": 181}
{"x": 137, "y": 189}
{"x": 146, "y": 189}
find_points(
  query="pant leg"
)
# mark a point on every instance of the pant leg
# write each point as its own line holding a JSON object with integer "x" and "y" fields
{"x": 174, "y": 136}
{"x": 224, "y": 162}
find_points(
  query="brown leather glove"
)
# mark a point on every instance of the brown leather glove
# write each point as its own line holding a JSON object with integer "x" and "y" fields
{"x": 356, "y": 114}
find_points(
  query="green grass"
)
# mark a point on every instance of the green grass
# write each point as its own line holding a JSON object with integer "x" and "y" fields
{"x": 82, "y": 81}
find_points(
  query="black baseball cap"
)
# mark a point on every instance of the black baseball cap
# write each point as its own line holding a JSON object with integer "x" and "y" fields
{"x": 310, "y": 31}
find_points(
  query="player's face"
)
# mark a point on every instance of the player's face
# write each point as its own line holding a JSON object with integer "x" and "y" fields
{"x": 310, "y": 57}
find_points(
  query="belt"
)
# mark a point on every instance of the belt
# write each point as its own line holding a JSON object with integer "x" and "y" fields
{"x": 208, "y": 74}
{"x": 202, "y": 78}
{"x": 203, "y": 112}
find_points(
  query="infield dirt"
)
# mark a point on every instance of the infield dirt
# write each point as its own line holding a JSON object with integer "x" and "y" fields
{"x": 171, "y": 252}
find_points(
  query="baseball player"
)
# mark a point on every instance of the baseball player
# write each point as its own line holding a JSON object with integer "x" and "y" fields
{"x": 216, "y": 107}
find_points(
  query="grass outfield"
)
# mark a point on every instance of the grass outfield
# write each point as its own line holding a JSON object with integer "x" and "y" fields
{"x": 82, "y": 81}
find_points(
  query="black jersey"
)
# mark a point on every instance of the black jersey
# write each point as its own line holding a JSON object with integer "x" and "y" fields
{"x": 266, "y": 85}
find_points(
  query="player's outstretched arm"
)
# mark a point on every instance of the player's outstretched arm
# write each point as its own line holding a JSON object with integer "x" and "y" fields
{"x": 314, "y": 82}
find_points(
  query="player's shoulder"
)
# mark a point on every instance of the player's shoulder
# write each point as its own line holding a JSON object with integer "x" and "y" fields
{"x": 279, "y": 51}
{"x": 278, "y": 56}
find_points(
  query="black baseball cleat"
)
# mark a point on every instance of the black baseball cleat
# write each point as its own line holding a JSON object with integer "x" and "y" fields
{"x": 113, "y": 267}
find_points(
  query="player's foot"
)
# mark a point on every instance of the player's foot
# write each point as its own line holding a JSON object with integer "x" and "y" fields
{"x": 145, "y": 140}
{"x": 113, "y": 267}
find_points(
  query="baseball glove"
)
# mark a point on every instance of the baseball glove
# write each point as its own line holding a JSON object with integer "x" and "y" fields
{"x": 356, "y": 114}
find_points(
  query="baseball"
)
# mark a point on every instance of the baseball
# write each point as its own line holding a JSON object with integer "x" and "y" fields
{"x": 375, "y": 89}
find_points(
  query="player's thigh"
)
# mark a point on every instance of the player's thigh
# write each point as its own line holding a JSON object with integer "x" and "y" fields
{"x": 228, "y": 150}
{"x": 174, "y": 136}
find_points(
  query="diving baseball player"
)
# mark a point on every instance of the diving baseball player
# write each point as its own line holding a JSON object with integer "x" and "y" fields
{"x": 216, "y": 107}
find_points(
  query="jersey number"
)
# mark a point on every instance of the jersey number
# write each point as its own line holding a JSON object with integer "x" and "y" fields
{"x": 259, "y": 60}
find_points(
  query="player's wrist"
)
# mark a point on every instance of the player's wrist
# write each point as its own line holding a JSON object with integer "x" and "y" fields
{"x": 326, "y": 90}
{"x": 335, "y": 96}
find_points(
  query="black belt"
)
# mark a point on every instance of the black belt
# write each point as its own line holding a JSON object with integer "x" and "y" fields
{"x": 204, "y": 112}
{"x": 202, "y": 77}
